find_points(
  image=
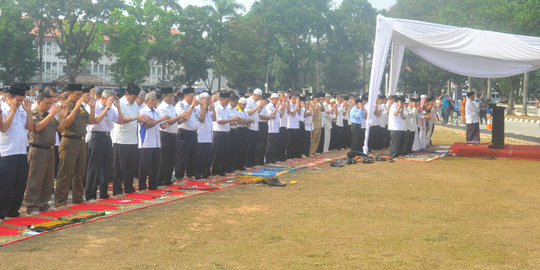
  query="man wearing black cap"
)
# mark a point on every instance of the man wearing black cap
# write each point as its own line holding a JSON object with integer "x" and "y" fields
{"x": 124, "y": 138}
{"x": 99, "y": 171}
{"x": 222, "y": 127}
{"x": 73, "y": 146}
{"x": 168, "y": 137}
{"x": 15, "y": 122}
{"x": 472, "y": 119}
{"x": 186, "y": 138}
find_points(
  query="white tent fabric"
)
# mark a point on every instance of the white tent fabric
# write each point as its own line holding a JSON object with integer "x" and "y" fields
{"x": 464, "y": 51}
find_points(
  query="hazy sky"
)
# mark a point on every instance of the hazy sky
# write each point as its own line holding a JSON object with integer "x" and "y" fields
{"x": 378, "y": 4}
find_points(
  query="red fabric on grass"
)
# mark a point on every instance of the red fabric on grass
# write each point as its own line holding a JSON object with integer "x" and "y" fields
{"x": 58, "y": 213}
{"x": 25, "y": 221}
{"x": 8, "y": 231}
{"x": 194, "y": 183}
{"x": 94, "y": 207}
{"x": 140, "y": 196}
{"x": 515, "y": 152}
{"x": 120, "y": 201}
{"x": 166, "y": 192}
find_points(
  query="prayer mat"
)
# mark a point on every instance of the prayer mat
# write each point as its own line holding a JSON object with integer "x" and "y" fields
{"x": 166, "y": 192}
{"x": 93, "y": 207}
{"x": 82, "y": 216}
{"x": 25, "y": 221}
{"x": 119, "y": 201}
{"x": 141, "y": 196}
{"x": 49, "y": 226}
{"x": 9, "y": 231}
{"x": 57, "y": 213}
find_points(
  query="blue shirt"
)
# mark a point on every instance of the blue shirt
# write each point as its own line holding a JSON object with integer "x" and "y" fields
{"x": 445, "y": 102}
{"x": 357, "y": 115}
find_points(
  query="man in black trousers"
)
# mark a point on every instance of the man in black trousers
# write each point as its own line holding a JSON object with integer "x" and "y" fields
{"x": 222, "y": 127}
{"x": 186, "y": 144}
{"x": 167, "y": 155}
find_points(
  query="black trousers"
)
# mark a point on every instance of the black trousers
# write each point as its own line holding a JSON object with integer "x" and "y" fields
{"x": 126, "y": 167}
{"x": 386, "y": 136}
{"x": 56, "y": 160}
{"x": 356, "y": 137}
{"x": 240, "y": 149}
{"x": 204, "y": 160}
{"x": 261, "y": 145}
{"x": 149, "y": 166}
{"x": 333, "y": 137}
{"x": 294, "y": 144}
{"x": 306, "y": 142}
{"x": 186, "y": 153}
{"x": 338, "y": 144}
{"x": 252, "y": 137}
{"x": 346, "y": 141}
{"x": 167, "y": 157}
{"x": 321, "y": 142}
{"x": 372, "y": 140}
{"x": 219, "y": 163}
{"x": 13, "y": 177}
{"x": 408, "y": 144}
{"x": 272, "y": 148}
{"x": 232, "y": 142}
{"x": 396, "y": 143}
{"x": 99, "y": 171}
{"x": 282, "y": 147}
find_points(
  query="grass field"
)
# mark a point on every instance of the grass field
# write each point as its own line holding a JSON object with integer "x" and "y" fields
{"x": 454, "y": 213}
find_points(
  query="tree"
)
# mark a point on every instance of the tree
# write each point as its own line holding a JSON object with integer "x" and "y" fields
{"x": 129, "y": 43}
{"x": 193, "y": 46}
{"x": 17, "y": 57}
{"x": 36, "y": 10}
{"x": 222, "y": 10}
{"x": 78, "y": 26}
{"x": 243, "y": 58}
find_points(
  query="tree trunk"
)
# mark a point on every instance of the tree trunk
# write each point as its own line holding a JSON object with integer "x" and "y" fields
{"x": 219, "y": 83}
{"x": 429, "y": 89}
{"x": 364, "y": 63}
{"x": 318, "y": 65}
{"x": 40, "y": 51}
{"x": 163, "y": 72}
{"x": 525, "y": 91}
{"x": 488, "y": 96}
{"x": 510, "y": 108}
{"x": 469, "y": 80}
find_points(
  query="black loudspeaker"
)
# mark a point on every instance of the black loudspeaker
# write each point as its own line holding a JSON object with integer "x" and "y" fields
{"x": 497, "y": 133}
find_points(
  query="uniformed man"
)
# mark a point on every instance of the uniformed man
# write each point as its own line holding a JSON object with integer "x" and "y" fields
{"x": 15, "y": 122}
{"x": 73, "y": 146}
{"x": 41, "y": 154}
{"x": 317, "y": 126}
{"x": 254, "y": 106}
{"x": 307, "y": 112}
{"x": 294, "y": 145}
{"x": 207, "y": 115}
{"x": 240, "y": 149}
{"x": 263, "y": 133}
{"x": 329, "y": 114}
{"x": 272, "y": 113}
{"x": 100, "y": 153}
{"x": 167, "y": 154}
{"x": 186, "y": 151}
{"x": 396, "y": 127}
{"x": 150, "y": 143}
{"x": 221, "y": 132}
{"x": 125, "y": 140}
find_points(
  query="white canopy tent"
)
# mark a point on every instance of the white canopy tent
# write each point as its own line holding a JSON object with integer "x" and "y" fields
{"x": 464, "y": 51}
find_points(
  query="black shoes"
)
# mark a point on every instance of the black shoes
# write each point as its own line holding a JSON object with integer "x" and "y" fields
{"x": 274, "y": 182}
{"x": 336, "y": 164}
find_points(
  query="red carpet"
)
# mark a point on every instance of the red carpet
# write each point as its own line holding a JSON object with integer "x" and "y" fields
{"x": 166, "y": 192}
{"x": 510, "y": 151}
{"x": 120, "y": 201}
{"x": 25, "y": 221}
{"x": 140, "y": 196}
{"x": 8, "y": 231}
{"x": 94, "y": 207}
{"x": 58, "y": 213}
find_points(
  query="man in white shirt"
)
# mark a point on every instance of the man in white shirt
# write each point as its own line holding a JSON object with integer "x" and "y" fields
{"x": 239, "y": 157}
{"x": 263, "y": 133}
{"x": 124, "y": 139}
{"x": 396, "y": 127}
{"x": 294, "y": 144}
{"x": 99, "y": 169}
{"x": 283, "y": 135}
{"x": 222, "y": 127}
{"x": 254, "y": 106}
{"x": 15, "y": 122}
{"x": 167, "y": 154}
{"x": 186, "y": 151}
{"x": 413, "y": 125}
{"x": 329, "y": 114}
{"x": 307, "y": 112}
{"x": 207, "y": 114}
{"x": 472, "y": 119}
{"x": 150, "y": 143}
{"x": 272, "y": 113}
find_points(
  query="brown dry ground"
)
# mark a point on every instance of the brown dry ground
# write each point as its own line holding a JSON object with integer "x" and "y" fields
{"x": 454, "y": 213}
